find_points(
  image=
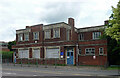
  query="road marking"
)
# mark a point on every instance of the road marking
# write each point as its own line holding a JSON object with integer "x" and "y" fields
{"x": 82, "y": 74}
{"x": 9, "y": 73}
{"x": 34, "y": 71}
{"x": 34, "y": 75}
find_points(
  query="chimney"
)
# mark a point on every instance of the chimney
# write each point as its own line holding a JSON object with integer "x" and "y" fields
{"x": 27, "y": 26}
{"x": 106, "y": 22}
{"x": 71, "y": 22}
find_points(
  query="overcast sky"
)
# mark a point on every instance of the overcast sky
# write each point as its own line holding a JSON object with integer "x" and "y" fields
{"x": 16, "y": 14}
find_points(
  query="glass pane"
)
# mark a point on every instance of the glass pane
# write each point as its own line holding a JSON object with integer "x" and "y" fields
{"x": 68, "y": 53}
{"x": 71, "y": 53}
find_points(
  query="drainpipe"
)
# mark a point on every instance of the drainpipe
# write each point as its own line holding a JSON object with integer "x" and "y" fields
{"x": 76, "y": 54}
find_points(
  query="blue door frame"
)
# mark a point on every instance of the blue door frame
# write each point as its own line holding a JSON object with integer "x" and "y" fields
{"x": 70, "y": 56}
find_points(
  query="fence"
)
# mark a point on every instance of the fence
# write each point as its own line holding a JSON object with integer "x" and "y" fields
{"x": 35, "y": 62}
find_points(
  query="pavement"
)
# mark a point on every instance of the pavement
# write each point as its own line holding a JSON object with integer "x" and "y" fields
{"x": 33, "y": 71}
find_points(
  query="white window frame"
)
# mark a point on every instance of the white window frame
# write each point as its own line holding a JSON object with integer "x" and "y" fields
{"x": 20, "y": 37}
{"x": 33, "y": 56}
{"x": 68, "y": 34}
{"x": 56, "y": 33}
{"x": 79, "y": 53}
{"x": 81, "y": 36}
{"x": 96, "y": 35}
{"x": 52, "y": 48}
{"x": 100, "y": 51}
{"x": 34, "y": 37}
{"x": 26, "y": 36}
{"x": 90, "y": 52}
{"x": 47, "y": 34}
{"x": 23, "y": 54}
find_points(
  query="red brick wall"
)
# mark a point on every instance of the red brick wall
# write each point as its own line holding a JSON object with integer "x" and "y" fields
{"x": 88, "y": 60}
{"x": 5, "y": 49}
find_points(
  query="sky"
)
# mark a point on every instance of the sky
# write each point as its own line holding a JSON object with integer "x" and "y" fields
{"x": 16, "y": 14}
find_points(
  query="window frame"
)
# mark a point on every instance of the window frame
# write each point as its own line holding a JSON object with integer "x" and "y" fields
{"x": 58, "y": 54}
{"x": 102, "y": 51}
{"x": 25, "y": 36}
{"x": 34, "y": 36}
{"x": 79, "y": 53}
{"x": 54, "y": 33}
{"x": 33, "y": 56}
{"x": 81, "y": 35}
{"x": 90, "y": 53}
{"x": 49, "y": 32}
{"x": 96, "y": 33}
{"x": 19, "y": 37}
{"x": 23, "y": 54}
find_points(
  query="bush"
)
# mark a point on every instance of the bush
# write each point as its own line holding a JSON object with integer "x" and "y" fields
{"x": 7, "y": 55}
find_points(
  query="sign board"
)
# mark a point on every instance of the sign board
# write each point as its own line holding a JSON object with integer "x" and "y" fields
{"x": 61, "y": 53}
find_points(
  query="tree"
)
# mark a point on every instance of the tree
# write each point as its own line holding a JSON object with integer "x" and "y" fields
{"x": 113, "y": 29}
{"x": 10, "y": 45}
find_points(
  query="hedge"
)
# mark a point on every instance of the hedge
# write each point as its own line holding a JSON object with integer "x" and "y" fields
{"x": 7, "y": 55}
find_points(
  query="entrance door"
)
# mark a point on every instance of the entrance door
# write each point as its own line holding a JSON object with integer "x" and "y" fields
{"x": 70, "y": 56}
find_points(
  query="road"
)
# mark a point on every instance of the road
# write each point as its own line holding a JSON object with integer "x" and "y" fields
{"x": 71, "y": 71}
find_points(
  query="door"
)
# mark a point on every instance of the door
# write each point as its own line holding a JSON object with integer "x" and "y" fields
{"x": 70, "y": 56}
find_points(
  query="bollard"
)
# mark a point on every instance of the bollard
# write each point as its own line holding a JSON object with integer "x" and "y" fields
{"x": 14, "y": 63}
{"x": 28, "y": 63}
{"x": 7, "y": 62}
{"x": 45, "y": 63}
{"x": 118, "y": 70}
{"x": 21, "y": 62}
{"x": 36, "y": 63}
{"x": 55, "y": 63}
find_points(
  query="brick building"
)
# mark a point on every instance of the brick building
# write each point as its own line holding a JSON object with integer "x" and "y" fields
{"x": 4, "y": 46}
{"x": 61, "y": 42}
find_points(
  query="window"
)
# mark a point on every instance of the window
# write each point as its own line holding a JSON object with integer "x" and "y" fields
{"x": 20, "y": 37}
{"x": 96, "y": 35}
{"x": 101, "y": 51}
{"x": 36, "y": 53}
{"x": 81, "y": 36}
{"x": 26, "y": 36}
{"x": 56, "y": 33}
{"x": 79, "y": 51}
{"x": 47, "y": 34}
{"x": 52, "y": 53}
{"x": 90, "y": 51}
{"x": 68, "y": 34}
{"x": 23, "y": 53}
{"x": 35, "y": 35}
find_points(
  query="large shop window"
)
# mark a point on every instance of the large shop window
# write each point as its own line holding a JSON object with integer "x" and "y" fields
{"x": 23, "y": 53}
{"x": 52, "y": 52}
{"x": 96, "y": 35}
{"x": 36, "y": 53}
{"x": 90, "y": 51}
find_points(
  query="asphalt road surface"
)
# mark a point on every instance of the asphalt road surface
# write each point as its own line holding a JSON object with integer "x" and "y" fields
{"x": 52, "y": 72}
